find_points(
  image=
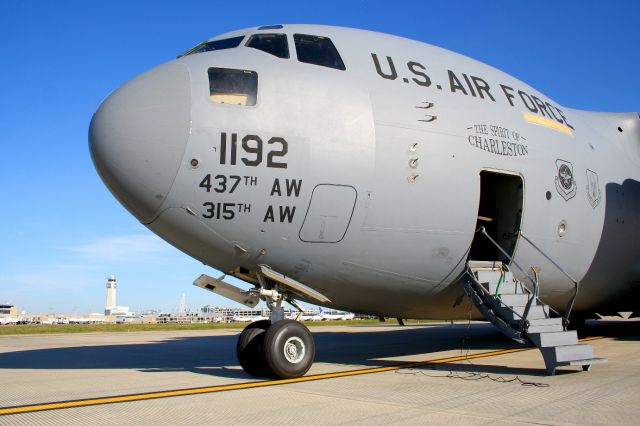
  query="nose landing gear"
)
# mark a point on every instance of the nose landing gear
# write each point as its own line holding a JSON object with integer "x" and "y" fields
{"x": 279, "y": 347}
{"x": 284, "y": 349}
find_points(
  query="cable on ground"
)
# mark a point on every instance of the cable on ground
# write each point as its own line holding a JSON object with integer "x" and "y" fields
{"x": 470, "y": 375}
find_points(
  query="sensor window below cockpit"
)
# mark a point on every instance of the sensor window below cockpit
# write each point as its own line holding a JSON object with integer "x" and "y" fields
{"x": 274, "y": 44}
{"x": 232, "y": 86}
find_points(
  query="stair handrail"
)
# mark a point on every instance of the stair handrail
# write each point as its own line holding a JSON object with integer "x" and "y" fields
{"x": 522, "y": 317}
{"x": 534, "y": 295}
{"x": 534, "y": 280}
{"x": 486, "y": 234}
{"x": 574, "y": 281}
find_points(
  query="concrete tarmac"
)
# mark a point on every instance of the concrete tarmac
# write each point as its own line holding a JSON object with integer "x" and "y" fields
{"x": 502, "y": 388}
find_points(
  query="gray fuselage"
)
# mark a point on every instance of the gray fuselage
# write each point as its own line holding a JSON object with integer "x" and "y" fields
{"x": 364, "y": 183}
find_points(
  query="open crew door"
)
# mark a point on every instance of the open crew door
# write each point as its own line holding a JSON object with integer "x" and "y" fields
{"x": 500, "y": 212}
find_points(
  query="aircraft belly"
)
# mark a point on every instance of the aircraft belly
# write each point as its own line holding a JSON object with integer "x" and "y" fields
{"x": 382, "y": 293}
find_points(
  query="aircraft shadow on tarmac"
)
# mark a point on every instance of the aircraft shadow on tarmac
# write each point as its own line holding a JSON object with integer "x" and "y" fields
{"x": 619, "y": 330}
{"x": 215, "y": 355}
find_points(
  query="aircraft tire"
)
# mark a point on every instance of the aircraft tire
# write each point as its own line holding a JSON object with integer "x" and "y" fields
{"x": 249, "y": 349}
{"x": 289, "y": 349}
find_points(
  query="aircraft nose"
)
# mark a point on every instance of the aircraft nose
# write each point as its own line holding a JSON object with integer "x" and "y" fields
{"x": 138, "y": 136}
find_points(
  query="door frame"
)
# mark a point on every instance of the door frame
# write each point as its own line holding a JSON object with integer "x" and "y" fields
{"x": 517, "y": 210}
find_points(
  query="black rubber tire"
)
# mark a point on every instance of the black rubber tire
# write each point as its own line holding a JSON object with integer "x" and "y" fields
{"x": 275, "y": 340}
{"x": 249, "y": 349}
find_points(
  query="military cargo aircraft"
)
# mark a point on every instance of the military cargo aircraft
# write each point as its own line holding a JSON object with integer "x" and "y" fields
{"x": 375, "y": 174}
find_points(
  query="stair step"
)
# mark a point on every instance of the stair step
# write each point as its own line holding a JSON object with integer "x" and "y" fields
{"x": 487, "y": 276}
{"x": 545, "y": 321}
{"x": 514, "y": 299}
{"x": 545, "y": 328}
{"x": 559, "y": 347}
{"x": 588, "y": 362}
{"x": 507, "y": 287}
{"x": 536, "y": 312}
{"x": 484, "y": 264}
{"x": 567, "y": 353}
{"x": 584, "y": 363}
{"x": 543, "y": 325}
{"x": 558, "y": 338}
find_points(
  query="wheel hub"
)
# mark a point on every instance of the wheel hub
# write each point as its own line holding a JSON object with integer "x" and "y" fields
{"x": 294, "y": 350}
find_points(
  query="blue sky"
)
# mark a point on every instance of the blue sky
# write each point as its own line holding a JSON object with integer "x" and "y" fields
{"x": 62, "y": 233}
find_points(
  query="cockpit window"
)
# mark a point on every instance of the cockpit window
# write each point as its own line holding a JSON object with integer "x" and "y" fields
{"x": 231, "y": 86}
{"x": 317, "y": 50}
{"x": 208, "y": 46}
{"x": 275, "y": 44}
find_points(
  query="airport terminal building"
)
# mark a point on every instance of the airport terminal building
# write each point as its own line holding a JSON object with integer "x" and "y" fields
{"x": 8, "y": 311}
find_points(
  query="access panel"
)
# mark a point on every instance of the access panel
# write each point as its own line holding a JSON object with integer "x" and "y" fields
{"x": 329, "y": 214}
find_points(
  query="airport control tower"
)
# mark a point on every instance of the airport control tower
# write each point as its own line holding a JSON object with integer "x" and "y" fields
{"x": 110, "y": 307}
{"x": 111, "y": 295}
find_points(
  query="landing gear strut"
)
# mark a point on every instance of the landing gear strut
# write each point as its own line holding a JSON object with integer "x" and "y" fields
{"x": 279, "y": 347}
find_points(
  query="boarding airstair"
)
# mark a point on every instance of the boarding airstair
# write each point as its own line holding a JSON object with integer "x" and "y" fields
{"x": 519, "y": 313}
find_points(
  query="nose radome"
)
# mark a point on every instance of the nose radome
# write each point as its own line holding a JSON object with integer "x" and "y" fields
{"x": 138, "y": 136}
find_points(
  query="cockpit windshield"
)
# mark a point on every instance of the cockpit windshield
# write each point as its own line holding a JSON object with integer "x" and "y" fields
{"x": 208, "y": 46}
{"x": 317, "y": 50}
{"x": 274, "y": 44}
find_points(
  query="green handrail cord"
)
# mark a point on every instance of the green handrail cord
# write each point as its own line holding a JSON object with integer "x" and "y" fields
{"x": 497, "y": 294}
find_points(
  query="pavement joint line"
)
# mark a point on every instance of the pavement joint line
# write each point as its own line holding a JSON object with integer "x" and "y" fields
{"x": 22, "y": 409}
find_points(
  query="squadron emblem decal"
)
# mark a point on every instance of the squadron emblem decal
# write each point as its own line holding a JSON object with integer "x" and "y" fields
{"x": 565, "y": 183}
{"x": 593, "y": 188}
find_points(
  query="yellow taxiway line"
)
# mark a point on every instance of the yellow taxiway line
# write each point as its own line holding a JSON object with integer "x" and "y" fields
{"x": 250, "y": 385}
